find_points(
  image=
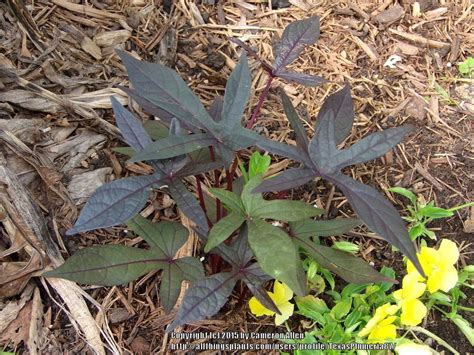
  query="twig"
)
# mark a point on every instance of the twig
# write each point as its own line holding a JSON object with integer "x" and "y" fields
{"x": 434, "y": 337}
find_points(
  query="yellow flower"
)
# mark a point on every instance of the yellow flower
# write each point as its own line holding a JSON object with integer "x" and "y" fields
{"x": 281, "y": 296}
{"x": 411, "y": 348}
{"x": 438, "y": 266}
{"x": 413, "y": 310}
{"x": 380, "y": 327}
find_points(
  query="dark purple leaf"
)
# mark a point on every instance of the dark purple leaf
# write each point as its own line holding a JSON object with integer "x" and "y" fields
{"x": 295, "y": 37}
{"x": 254, "y": 277}
{"x": 379, "y": 215}
{"x": 115, "y": 203}
{"x": 188, "y": 205}
{"x": 174, "y": 273}
{"x": 373, "y": 146}
{"x": 107, "y": 265}
{"x": 237, "y": 92}
{"x": 341, "y": 108}
{"x": 167, "y": 236}
{"x": 295, "y": 122}
{"x": 132, "y": 129}
{"x": 174, "y": 146}
{"x": 282, "y": 149}
{"x": 310, "y": 228}
{"x": 149, "y": 107}
{"x": 301, "y": 78}
{"x": 286, "y": 180}
{"x": 322, "y": 148}
{"x": 349, "y": 267}
{"x": 175, "y": 128}
{"x": 215, "y": 111}
{"x": 164, "y": 88}
{"x": 204, "y": 298}
{"x": 197, "y": 168}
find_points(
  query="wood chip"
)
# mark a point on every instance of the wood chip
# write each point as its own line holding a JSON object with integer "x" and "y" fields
{"x": 86, "y": 10}
{"x": 420, "y": 39}
{"x": 391, "y": 15}
{"x": 423, "y": 172}
{"x": 83, "y": 185}
{"x": 407, "y": 49}
{"x": 112, "y": 38}
{"x": 368, "y": 49}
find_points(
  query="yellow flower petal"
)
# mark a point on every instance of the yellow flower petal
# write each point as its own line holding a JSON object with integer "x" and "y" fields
{"x": 258, "y": 309}
{"x": 380, "y": 314}
{"x": 411, "y": 288}
{"x": 282, "y": 292}
{"x": 286, "y": 310}
{"x": 448, "y": 252}
{"x": 382, "y": 333}
{"x": 413, "y": 312}
{"x": 443, "y": 279}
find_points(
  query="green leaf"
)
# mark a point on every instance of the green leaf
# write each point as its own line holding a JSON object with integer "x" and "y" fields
{"x": 258, "y": 164}
{"x": 404, "y": 192}
{"x": 349, "y": 267}
{"x": 284, "y": 210}
{"x": 342, "y": 308}
{"x": 465, "y": 327}
{"x": 389, "y": 272}
{"x": 312, "y": 308}
{"x": 416, "y": 231}
{"x": 348, "y": 247}
{"x": 223, "y": 229}
{"x": 250, "y": 200}
{"x": 277, "y": 255}
{"x": 310, "y": 228}
{"x": 169, "y": 237}
{"x": 352, "y": 318}
{"x": 107, "y": 265}
{"x": 467, "y": 66}
{"x": 229, "y": 199}
{"x": 435, "y": 212}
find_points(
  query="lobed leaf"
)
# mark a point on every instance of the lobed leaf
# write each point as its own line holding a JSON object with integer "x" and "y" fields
{"x": 277, "y": 255}
{"x": 237, "y": 92}
{"x": 115, "y": 203}
{"x": 223, "y": 230}
{"x": 373, "y": 146}
{"x": 165, "y": 89}
{"x": 295, "y": 36}
{"x": 349, "y": 267}
{"x": 189, "y": 205}
{"x": 302, "y": 78}
{"x": 174, "y": 273}
{"x": 286, "y": 180}
{"x": 173, "y": 146}
{"x": 379, "y": 215}
{"x": 204, "y": 298}
{"x": 107, "y": 265}
{"x": 215, "y": 110}
{"x": 169, "y": 237}
{"x": 132, "y": 129}
{"x": 310, "y": 228}
{"x": 285, "y": 210}
{"x": 342, "y": 108}
{"x": 229, "y": 199}
{"x": 295, "y": 122}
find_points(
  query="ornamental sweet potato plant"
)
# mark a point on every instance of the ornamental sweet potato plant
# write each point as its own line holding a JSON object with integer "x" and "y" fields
{"x": 250, "y": 239}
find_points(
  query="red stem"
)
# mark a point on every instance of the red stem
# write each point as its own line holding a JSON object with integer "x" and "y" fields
{"x": 201, "y": 198}
{"x": 261, "y": 99}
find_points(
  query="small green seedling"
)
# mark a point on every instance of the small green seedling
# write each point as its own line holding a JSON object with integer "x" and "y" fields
{"x": 466, "y": 68}
{"x": 421, "y": 214}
